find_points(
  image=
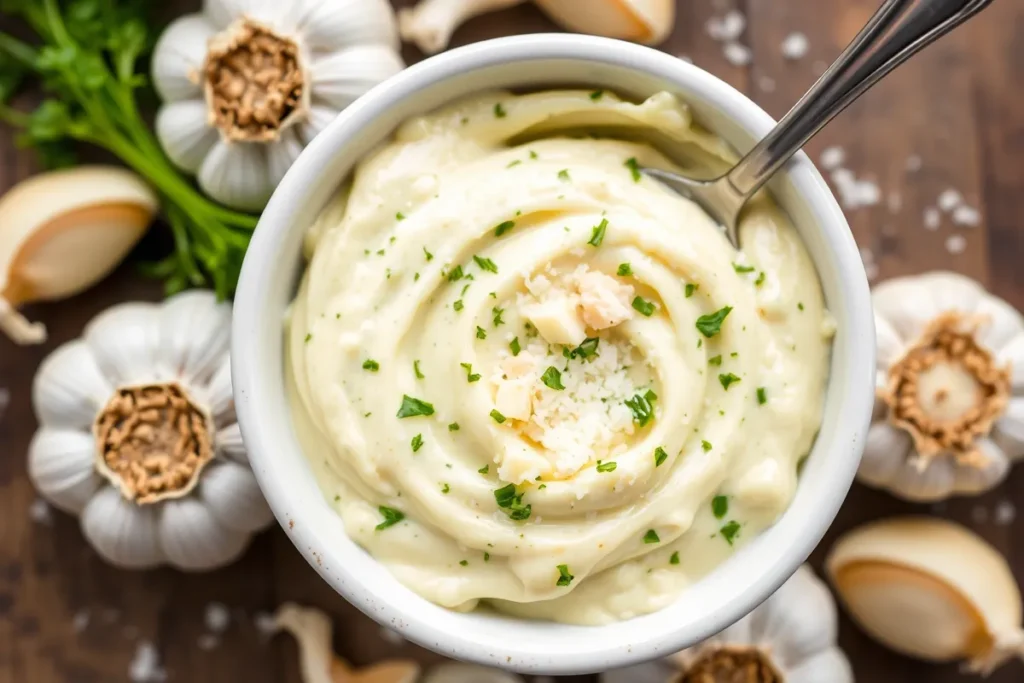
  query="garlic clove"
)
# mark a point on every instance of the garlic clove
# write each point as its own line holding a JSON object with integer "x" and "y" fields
{"x": 1002, "y": 323}
{"x": 235, "y": 173}
{"x": 906, "y": 304}
{"x": 340, "y": 78}
{"x": 972, "y": 480}
{"x": 69, "y": 388}
{"x": 123, "y": 533}
{"x": 178, "y": 58}
{"x": 642, "y": 21}
{"x": 125, "y": 341}
{"x": 217, "y": 394}
{"x": 827, "y": 665}
{"x": 929, "y": 589}
{"x": 185, "y": 133}
{"x": 890, "y": 346}
{"x": 803, "y": 637}
{"x": 325, "y": 25}
{"x": 192, "y": 539}
{"x": 229, "y": 442}
{"x": 61, "y": 466}
{"x": 320, "y": 117}
{"x": 430, "y": 24}
{"x": 1012, "y": 354}
{"x": 885, "y": 452}
{"x": 953, "y": 291}
{"x": 1009, "y": 429}
{"x": 223, "y": 13}
{"x": 195, "y": 331}
{"x": 234, "y": 498}
{"x": 458, "y": 672}
{"x": 282, "y": 154}
{"x": 925, "y": 481}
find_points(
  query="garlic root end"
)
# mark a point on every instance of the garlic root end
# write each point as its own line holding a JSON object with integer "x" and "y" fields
{"x": 18, "y": 328}
{"x": 430, "y": 24}
{"x": 1005, "y": 647}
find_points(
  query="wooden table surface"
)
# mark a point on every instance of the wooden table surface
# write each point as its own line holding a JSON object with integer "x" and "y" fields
{"x": 66, "y": 617}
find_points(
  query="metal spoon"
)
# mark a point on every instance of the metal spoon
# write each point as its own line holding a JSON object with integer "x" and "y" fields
{"x": 898, "y": 30}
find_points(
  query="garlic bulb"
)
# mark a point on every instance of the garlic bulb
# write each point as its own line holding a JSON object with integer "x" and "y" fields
{"x": 949, "y": 409}
{"x": 247, "y": 84}
{"x": 312, "y": 630}
{"x": 138, "y": 436}
{"x": 63, "y": 231}
{"x": 789, "y": 638}
{"x": 431, "y": 23}
{"x": 457, "y": 672}
{"x": 930, "y": 589}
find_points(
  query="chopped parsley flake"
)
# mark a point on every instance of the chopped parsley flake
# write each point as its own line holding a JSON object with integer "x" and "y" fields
{"x": 481, "y": 333}
{"x": 651, "y": 536}
{"x": 416, "y": 368}
{"x": 486, "y": 264}
{"x": 464, "y": 563}
{"x": 625, "y": 269}
{"x": 596, "y": 95}
{"x": 742, "y": 269}
{"x": 414, "y": 407}
{"x": 598, "y": 235}
{"x": 711, "y": 324}
{"x": 496, "y": 313}
{"x": 501, "y": 228}
{"x": 499, "y": 111}
{"x": 760, "y": 279}
{"x": 533, "y": 155}
{"x": 690, "y": 289}
{"x": 715, "y": 360}
{"x": 634, "y": 168}
{"x": 642, "y": 407}
{"x": 511, "y": 501}
{"x": 800, "y": 305}
{"x": 453, "y": 427}
{"x": 552, "y": 379}
{"x": 514, "y": 346}
{"x": 497, "y": 417}
{"x": 470, "y": 375}
{"x": 371, "y": 365}
{"x": 428, "y": 255}
{"x": 514, "y": 162}
{"x": 675, "y": 558}
{"x": 720, "y": 506}
{"x": 564, "y": 175}
{"x": 485, "y": 469}
{"x": 487, "y": 556}
{"x": 455, "y": 274}
{"x": 730, "y": 530}
{"x": 728, "y": 379}
{"x": 399, "y": 216}
{"x": 391, "y": 517}
{"x": 606, "y": 466}
{"x": 458, "y": 305}
{"x": 586, "y": 349}
{"x": 309, "y": 336}
{"x": 417, "y": 442}
{"x": 644, "y": 306}
{"x": 706, "y": 445}
{"x": 659, "y": 456}
{"x": 564, "y": 577}
{"x": 762, "y": 396}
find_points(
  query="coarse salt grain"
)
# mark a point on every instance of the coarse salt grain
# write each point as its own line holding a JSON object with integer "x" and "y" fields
{"x": 80, "y": 621}
{"x": 949, "y": 200}
{"x": 766, "y": 83}
{"x": 795, "y": 46}
{"x": 736, "y": 54}
{"x": 145, "y": 665}
{"x": 1005, "y": 513}
{"x": 265, "y": 623}
{"x": 832, "y": 158}
{"x": 855, "y": 193}
{"x": 727, "y": 28}
{"x": 217, "y": 617}
{"x": 966, "y": 216}
{"x": 913, "y": 163}
{"x": 956, "y": 244}
{"x": 932, "y": 218}
{"x": 40, "y": 512}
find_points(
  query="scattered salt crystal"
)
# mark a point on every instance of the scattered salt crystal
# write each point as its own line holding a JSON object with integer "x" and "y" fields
{"x": 979, "y": 514}
{"x": 208, "y": 641}
{"x": 913, "y": 163}
{"x": 795, "y": 46}
{"x": 40, "y": 512}
{"x": 265, "y": 623}
{"x": 736, "y": 54}
{"x": 145, "y": 665}
{"x": 392, "y": 637}
{"x": 729, "y": 27}
{"x": 832, "y": 158}
{"x": 956, "y": 244}
{"x": 217, "y": 617}
{"x": 766, "y": 83}
{"x": 853, "y": 192}
{"x": 895, "y": 202}
{"x": 949, "y": 200}
{"x": 1005, "y": 513}
{"x": 932, "y": 218}
{"x": 966, "y": 216}
{"x": 80, "y": 621}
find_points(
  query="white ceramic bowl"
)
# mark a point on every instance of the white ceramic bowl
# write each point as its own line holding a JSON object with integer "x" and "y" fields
{"x": 268, "y": 281}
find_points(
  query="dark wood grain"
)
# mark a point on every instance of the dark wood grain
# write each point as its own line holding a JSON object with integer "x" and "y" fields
{"x": 959, "y": 107}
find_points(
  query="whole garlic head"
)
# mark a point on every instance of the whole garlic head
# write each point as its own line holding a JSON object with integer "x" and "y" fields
{"x": 247, "y": 84}
{"x": 949, "y": 407}
{"x": 138, "y": 436}
{"x": 789, "y": 638}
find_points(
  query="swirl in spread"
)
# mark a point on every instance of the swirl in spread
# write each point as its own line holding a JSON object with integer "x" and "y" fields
{"x": 525, "y": 373}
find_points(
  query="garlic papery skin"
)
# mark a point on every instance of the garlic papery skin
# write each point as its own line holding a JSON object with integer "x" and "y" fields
{"x": 949, "y": 408}
{"x": 63, "y": 231}
{"x": 789, "y": 638}
{"x": 138, "y": 436}
{"x": 930, "y": 589}
{"x": 430, "y": 24}
{"x": 247, "y": 84}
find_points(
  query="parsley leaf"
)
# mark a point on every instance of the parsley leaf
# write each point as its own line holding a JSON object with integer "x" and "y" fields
{"x": 485, "y": 469}
{"x": 503, "y": 227}
{"x": 596, "y": 95}
{"x": 499, "y": 111}
{"x": 416, "y": 368}
{"x": 728, "y": 379}
{"x": 511, "y": 501}
{"x": 606, "y": 466}
{"x": 730, "y": 531}
{"x": 563, "y": 175}
{"x": 413, "y": 407}
{"x": 642, "y": 408}
{"x": 453, "y": 427}
{"x": 417, "y": 442}
{"x": 659, "y": 456}
{"x": 690, "y": 289}
{"x": 720, "y": 506}
{"x": 564, "y": 577}
{"x": 715, "y": 360}
{"x": 371, "y": 365}
{"x": 706, "y": 446}
{"x": 634, "y": 168}
{"x": 552, "y": 378}
{"x": 586, "y": 349}
{"x": 598, "y": 235}
{"x": 481, "y": 333}
{"x": 625, "y": 269}
{"x": 497, "y": 417}
{"x": 391, "y": 517}
{"x": 486, "y": 264}
{"x": 454, "y": 274}
{"x": 675, "y": 558}
{"x": 644, "y": 306}
{"x": 470, "y": 375}
{"x": 651, "y": 536}
{"x": 711, "y": 324}
{"x": 742, "y": 269}
{"x": 514, "y": 346}
{"x": 496, "y": 315}
{"x": 458, "y": 305}
{"x": 762, "y": 396}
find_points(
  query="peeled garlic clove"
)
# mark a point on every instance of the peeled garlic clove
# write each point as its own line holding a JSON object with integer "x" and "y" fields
{"x": 930, "y": 589}
{"x": 430, "y": 24}
{"x": 457, "y": 672}
{"x": 62, "y": 232}
{"x": 642, "y": 21}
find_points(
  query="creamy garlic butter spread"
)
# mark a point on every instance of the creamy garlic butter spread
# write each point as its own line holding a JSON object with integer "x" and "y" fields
{"x": 527, "y": 374}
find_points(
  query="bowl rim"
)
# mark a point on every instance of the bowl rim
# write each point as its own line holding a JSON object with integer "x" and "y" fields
{"x": 249, "y": 308}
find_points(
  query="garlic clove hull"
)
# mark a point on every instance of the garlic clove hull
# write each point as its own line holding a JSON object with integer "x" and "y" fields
{"x": 195, "y": 331}
{"x": 178, "y": 57}
{"x": 320, "y": 116}
{"x": 229, "y": 442}
{"x": 340, "y": 78}
{"x": 124, "y": 534}
{"x": 234, "y": 498}
{"x": 325, "y": 25}
{"x": 69, "y": 388}
{"x": 642, "y": 21}
{"x": 125, "y": 340}
{"x": 282, "y": 154}
{"x": 458, "y": 672}
{"x": 192, "y": 539}
{"x": 827, "y": 665}
{"x": 61, "y": 466}
{"x": 890, "y": 346}
{"x": 885, "y": 453}
{"x": 1002, "y": 323}
{"x": 223, "y": 13}
{"x": 185, "y": 133}
{"x": 923, "y": 481}
{"x": 235, "y": 173}
{"x": 803, "y": 637}
{"x": 1012, "y": 354}
{"x": 217, "y": 395}
{"x": 1009, "y": 429}
{"x": 972, "y": 480}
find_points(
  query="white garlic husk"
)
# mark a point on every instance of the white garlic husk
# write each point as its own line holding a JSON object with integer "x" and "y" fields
{"x": 63, "y": 231}
{"x": 430, "y": 24}
{"x": 930, "y": 589}
{"x": 949, "y": 407}
{"x": 247, "y": 84}
{"x": 459, "y": 672}
{"x": 789, "y": 638}
{"x": 138, "y": 436}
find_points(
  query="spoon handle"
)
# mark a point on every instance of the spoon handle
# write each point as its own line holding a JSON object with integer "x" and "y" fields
{"x": 898, "y": 30}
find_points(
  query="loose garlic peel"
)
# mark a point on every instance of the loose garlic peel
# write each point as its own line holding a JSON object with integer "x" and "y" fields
{"x": 62, "y": 232}
{"x": 930, "y": 589}
{"x": 431, "y": 23}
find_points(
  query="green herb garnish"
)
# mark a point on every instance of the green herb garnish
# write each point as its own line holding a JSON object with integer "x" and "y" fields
{"x": 625, "y": 269}
{"x": 499, "y": 111}
{"x": 606, "y": 466}
{"x": 586, "y": 349}
{"x": 641, "y": 407}
{"x": 728, "y": 379}
{"x": 563, "y": 175}
{"x": 674, "y": 559}
{"x": 730, "y": 530}
{"x": 659, "y": 456}
{"x": 454, "y": 274}
{"x": 651, "y": 536}
{"x": 597, "y": 236}
{"x": 800, "y": 306}
{"x": 463, "y": 563}
{"x": 371, "y": 365}
{"x": 458, "y": 305}
{"x": 496, "y": 315}
{"x": 503, "y": 227}
{"x": 742, "y": 269}
{"x": 514, "y": 346}
{"x": 417, "y": 442}
{"x": 564, "y": 577}
{"x": 596, "y": 95}
{"x": 470, "y": 375}
{"x": 690, "y": 289}
{"x": 481, "y": 333}
{"x": 511, "y": 501}
{"x": 711, "y": 324}
{"x": 634, "y": 168}
{"x": 715, "y": 360}
{"x": 414, "y": 407}
{"x": 485, "y": 469}
{"x": 486, "y": 264}
{"x": 552, "y": 379}
{"x": 644, "y": 306}
{"x": 399, "y": 216}
{"x": 416, "y": 369}
{"x": 762, "y": 396}
{"x": 497, "y": 417}
{"x": 391, "y": 517}
{"x": 760, "y": 279}
{"x": 706, "y": 445}
{"x": 720, "y": 506}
